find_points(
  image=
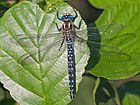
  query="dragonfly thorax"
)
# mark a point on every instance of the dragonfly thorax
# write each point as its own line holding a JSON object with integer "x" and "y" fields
{"x": 67, "y": 26}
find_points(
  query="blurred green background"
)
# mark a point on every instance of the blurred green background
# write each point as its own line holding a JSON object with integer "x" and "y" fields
{"x": 113, "y": 92}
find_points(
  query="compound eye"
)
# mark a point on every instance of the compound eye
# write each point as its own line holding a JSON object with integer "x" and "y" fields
{"x": 70, "y": 17}
{"x": 62, "y": 18}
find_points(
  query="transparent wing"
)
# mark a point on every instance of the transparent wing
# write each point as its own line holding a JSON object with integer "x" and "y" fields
{"x": 105, "y": 32}
{"x": 31, "y": 40}
{"x": 97, "y": 33}
{"x": 46, "y": 46}
{"x": 40, "y": 47}
{"x": 97, "y": 38}
{"x": 48, "y": 52}
{"x": 107, "y": 52}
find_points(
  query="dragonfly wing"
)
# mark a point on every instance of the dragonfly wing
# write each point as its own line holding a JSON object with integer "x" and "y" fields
{"x": 107, "y": 52}
{"x": 104, "y": 32}
{"x": 46, "y": 52}
{"x": 53, "y": 51}
{"x": 23, "y": 40}
{"x": 98, "y": 37}
{"x": 41, "y": 47}
{"x": 31, "y": 40}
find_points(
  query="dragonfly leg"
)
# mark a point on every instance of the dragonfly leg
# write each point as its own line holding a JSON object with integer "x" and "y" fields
{"x": 75, "y": 15}
{"x": 79, "y": 25}
{"x": 58, "y": 15}
{"x": 61, "y": 44}
{"x": 59, "y": 29}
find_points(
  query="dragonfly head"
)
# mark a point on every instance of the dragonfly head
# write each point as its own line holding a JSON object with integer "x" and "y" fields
{"x": 67, "y": 18}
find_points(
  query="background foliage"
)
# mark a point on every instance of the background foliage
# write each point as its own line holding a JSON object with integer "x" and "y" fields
{"x": 119, "y": 92}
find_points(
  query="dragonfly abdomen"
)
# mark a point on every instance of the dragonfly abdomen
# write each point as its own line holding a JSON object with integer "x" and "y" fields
{"x": 71, "y": 67}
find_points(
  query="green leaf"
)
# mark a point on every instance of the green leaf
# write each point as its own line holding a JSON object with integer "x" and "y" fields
{"x": 127, "y": 40}
{"x": 97, "y": 84}
{"x": 38, "y": 1}
{"x": 2, "y": 96}
{"x": 104, "y": 93}
{"x": 52, "y": 1}
{"x": 103, "y": 3}
{"x": 35, "y": 80}
{"x": 129, "y": 93}
{"x": 106, "y": 4}
{"x": 50, "y": 4}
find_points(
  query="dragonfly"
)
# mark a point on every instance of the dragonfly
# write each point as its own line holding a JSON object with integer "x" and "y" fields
{"x": 70, "y": 33}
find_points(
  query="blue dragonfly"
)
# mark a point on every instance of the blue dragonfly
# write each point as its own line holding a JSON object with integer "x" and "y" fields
{"x": 51, "y": 45}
